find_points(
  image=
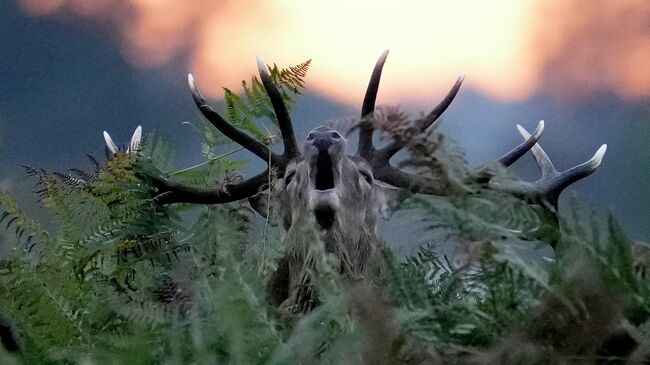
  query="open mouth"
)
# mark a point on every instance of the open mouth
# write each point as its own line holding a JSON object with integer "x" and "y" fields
{"x": 325, "y": 216}
{"x": 325, "y": 202}
{"x": 324, "y": 179}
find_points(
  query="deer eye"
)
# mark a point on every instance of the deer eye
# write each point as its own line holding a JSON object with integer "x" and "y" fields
{"x": 289, "y": 177}
{"x": 366, "y": 176}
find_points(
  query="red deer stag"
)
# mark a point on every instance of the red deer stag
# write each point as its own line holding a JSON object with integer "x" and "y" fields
{"x": 345, "y": 194}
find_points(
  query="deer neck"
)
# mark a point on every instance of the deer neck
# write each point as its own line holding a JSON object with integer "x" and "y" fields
{"x": 355, "y": 246}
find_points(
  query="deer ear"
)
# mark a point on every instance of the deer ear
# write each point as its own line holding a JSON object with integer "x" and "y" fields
{"x": 389, "y": 198}
{"x": 264, "y": 205}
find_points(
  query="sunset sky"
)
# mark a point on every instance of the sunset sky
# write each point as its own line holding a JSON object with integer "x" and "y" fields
{"x": 506, "y": 48}
{"x": 70, "y": 69}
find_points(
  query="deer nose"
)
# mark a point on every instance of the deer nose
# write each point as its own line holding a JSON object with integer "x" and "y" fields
{"x": 322, "y": 143}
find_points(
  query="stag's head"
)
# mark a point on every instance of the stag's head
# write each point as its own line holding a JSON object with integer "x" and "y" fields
{"x": 346, "y": 194}
{"x": 321, "y": 180}
{"x": 337, "y": 189}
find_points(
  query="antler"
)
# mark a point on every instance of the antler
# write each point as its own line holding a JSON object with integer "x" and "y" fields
{"x": 366, "y": 148}
{"x": 281, "y": 112}
{"x": 379, "y": 158}
{"x": 547, "y": 188}
{"x": 172, "y": 192}
{"x": 552, "y": 182}
{"x": 112, "y": 149}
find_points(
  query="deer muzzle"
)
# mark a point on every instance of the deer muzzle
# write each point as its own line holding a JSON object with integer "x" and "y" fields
{"x": 324, "y": 176}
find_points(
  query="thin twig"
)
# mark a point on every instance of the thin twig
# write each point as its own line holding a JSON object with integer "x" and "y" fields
{"x": 268, "y": 210}
{"x": 209, "y": 160}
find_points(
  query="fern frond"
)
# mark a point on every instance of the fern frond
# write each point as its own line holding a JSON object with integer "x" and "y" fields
{"x": 29, "y": 234}
{"x": 69, "y": 179}
{"x": 85, "y": 176}
{"x": 96, "y": 164}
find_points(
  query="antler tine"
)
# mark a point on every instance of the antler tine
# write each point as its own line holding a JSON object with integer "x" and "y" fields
{"x": 136, "y": 139}
{"x": 530, "y": 142}
{"x": 552, "y": 182}
{"x": 111, "y": 147}
{"x": 579, "y": 172}
{"x": 366, "y": 148}
{"x": 542, "y": 159}
{"x": 483, "y": 175}
{"x": 281, "y": 112}
{"x": 172, "y": 192}
{"x": 391, "y": 149}
{"x": 246, "y": 141}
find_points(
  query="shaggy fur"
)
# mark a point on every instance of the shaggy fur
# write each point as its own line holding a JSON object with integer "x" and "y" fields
{"x": 345, "y": 214}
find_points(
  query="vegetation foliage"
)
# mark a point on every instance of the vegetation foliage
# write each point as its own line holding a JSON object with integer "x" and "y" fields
{"x": 125, "y": 280}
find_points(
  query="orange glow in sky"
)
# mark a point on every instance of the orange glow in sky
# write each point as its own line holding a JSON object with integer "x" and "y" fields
{"x": 500, "y": 45}
{"x": 431, "y": 43}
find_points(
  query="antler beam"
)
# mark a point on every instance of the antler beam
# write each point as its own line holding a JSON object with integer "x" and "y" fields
{"x": 171, "y": 192}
